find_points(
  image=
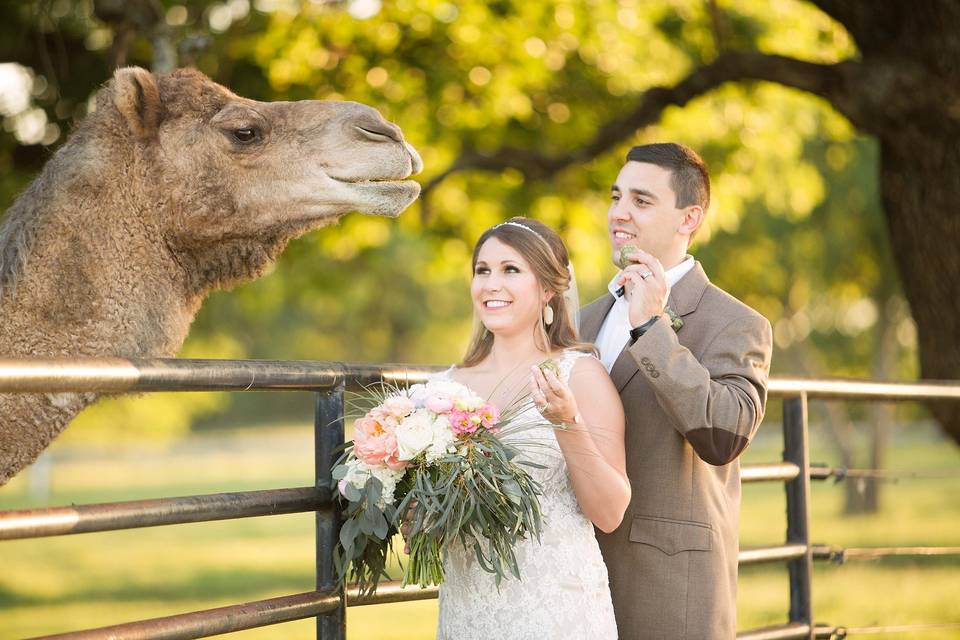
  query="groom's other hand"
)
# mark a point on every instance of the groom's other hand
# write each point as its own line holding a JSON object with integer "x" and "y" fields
{"x": 646, "y": 287}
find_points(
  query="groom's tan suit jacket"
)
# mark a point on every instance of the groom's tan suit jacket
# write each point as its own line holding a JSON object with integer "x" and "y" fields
{"x": 693, "y": 400}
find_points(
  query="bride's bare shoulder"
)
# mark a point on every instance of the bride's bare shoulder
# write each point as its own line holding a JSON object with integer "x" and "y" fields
{"x": 587, "y": 364}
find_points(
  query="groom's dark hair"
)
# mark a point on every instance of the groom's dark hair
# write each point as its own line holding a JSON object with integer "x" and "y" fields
{"x": 688, "y": 173}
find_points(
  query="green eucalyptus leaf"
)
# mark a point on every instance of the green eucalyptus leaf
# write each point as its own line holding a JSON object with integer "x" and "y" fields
{"x": 351, "y": 493}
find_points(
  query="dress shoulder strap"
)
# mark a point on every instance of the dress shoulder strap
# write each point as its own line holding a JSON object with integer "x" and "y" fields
{"x": 570, "y": 357}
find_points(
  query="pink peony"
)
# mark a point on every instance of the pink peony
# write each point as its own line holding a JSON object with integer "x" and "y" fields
{"x": 398, "y": 406}
{"x": 439, "y": 403}
{"x": 375, "y": 443}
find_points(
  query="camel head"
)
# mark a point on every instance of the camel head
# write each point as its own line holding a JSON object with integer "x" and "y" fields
{"x": 172, "y": 187}
{"x": 234, "y": 179}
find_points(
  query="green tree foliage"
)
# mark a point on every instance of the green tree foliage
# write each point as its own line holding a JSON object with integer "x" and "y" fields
{"x": 795, "y": 228}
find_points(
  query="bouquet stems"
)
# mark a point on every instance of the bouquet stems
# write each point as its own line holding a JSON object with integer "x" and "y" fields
{"x": 425, "y": 565}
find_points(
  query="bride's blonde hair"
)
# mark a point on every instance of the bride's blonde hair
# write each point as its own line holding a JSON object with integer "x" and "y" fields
{"x": 547, "y": 256}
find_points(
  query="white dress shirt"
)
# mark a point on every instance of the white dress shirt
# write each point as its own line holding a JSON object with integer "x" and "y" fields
{"x": 615, "y": 331}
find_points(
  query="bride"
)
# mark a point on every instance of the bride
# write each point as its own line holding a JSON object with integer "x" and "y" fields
{"x": 520, "y": 273}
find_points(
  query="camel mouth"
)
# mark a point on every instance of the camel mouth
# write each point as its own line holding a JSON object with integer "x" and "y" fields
{"x": 363, "y": 181}
{"x": 385, "y": 185}
{"x": 382, "y": 197}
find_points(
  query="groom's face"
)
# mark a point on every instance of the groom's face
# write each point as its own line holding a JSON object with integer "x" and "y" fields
{"x": 643, "y": 211}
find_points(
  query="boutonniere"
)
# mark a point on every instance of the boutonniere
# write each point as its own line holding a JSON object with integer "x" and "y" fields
{"x": 675, "y": 321}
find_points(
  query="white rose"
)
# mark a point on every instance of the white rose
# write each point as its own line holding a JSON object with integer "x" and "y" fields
{"x": 442, "y": 439}
{"x": 414, "y": 434}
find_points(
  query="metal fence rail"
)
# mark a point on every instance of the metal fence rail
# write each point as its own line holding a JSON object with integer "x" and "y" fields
{"x": 113, "y": 516}
{"x": 329, "y": 380}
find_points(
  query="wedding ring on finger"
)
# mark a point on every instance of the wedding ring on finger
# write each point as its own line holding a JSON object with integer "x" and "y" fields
{"x": 646, "y": 274}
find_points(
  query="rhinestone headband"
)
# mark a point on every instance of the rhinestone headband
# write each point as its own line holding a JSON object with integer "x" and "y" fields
{"x": 522, "y": 226}
{"x": 536, "y": 233}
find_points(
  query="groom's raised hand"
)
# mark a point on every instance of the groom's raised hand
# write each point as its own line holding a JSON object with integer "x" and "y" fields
{"x": 646, "y": 287}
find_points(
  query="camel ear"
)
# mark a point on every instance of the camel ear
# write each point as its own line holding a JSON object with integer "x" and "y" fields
{"x": 137, "y": 98}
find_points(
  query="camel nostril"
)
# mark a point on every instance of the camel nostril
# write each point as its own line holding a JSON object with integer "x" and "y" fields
{"x": 377, "y": 133}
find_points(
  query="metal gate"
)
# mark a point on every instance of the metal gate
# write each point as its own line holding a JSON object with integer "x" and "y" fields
{"x": 329, "y": 381}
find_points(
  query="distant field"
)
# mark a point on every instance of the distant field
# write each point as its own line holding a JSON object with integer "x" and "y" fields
{"x": 75, "y": 582}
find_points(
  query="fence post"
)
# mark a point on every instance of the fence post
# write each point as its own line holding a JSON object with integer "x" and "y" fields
{"x": 328, "y": 435}
{"x": 795, "y": 450}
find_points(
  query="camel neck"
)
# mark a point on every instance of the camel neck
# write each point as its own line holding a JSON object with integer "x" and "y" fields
{"x": 82, "y": 283}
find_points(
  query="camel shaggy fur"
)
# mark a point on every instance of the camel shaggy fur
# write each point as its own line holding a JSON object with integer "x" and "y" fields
{"x": 171, "y": 188}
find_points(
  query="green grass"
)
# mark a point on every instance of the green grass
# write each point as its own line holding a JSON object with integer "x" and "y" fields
{"x": 74, "y": 582}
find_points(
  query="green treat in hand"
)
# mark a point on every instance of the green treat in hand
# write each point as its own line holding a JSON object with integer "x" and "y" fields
{"x": 625, "y": 252}
{"x": 550, "y": 365}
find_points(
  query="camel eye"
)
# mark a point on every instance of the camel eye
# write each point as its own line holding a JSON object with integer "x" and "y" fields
{"x": 246, "y": 135}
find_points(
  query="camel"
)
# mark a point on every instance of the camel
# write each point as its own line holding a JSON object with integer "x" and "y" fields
{"x": 171, "y": 188}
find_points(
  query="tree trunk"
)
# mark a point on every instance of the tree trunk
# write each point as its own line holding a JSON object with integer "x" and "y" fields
{"x": 907, "y": 94}
{"x": 920, "y": 177}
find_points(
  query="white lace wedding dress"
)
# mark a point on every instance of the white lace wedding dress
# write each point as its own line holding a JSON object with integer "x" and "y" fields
{"x": 563, "y": 591}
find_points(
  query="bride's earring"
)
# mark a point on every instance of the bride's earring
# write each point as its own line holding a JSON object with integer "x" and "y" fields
{"x": 548, "y": 315}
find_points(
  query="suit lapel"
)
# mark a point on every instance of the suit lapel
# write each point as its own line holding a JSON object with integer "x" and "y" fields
{"x": 685, "y": 295}
{"x": 591, "y": 317}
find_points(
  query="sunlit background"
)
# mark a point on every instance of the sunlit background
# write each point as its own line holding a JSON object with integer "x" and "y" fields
{"x": 795, "y": 229}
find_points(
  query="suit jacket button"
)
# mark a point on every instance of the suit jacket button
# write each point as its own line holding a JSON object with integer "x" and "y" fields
{"x": 644, "y": 360}
{"x": 655, "y": 374}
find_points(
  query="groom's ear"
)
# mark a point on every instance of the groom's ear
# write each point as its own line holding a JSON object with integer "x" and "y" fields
{"x": 692, "y": 219}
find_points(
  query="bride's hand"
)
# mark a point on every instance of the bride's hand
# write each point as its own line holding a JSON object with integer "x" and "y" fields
{"x": 552, "y": 397}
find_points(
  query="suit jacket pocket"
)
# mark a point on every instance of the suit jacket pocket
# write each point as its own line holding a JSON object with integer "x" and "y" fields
{"x": 671, "y": 536}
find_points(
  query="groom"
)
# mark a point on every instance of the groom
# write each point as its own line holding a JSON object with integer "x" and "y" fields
{"x": 694, "y": 396}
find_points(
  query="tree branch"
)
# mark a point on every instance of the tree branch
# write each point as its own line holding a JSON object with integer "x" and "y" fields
{"x": 718, "y": 26}
{"x": 833, "y": 82}
{"x": 128, "y": 18}
{"x": 854, "y": 16}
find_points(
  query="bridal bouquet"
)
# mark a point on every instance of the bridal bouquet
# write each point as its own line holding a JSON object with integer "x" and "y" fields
{"x": 432, "y": 453}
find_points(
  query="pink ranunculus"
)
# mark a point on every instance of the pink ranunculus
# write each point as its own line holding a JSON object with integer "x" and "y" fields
{"x": 489, "y": 417}
{"x": 439, "y": 403}
{"x": 398, "y": 406}
{"x": 462, "y": 422}
{"x": 375, "y": 443}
